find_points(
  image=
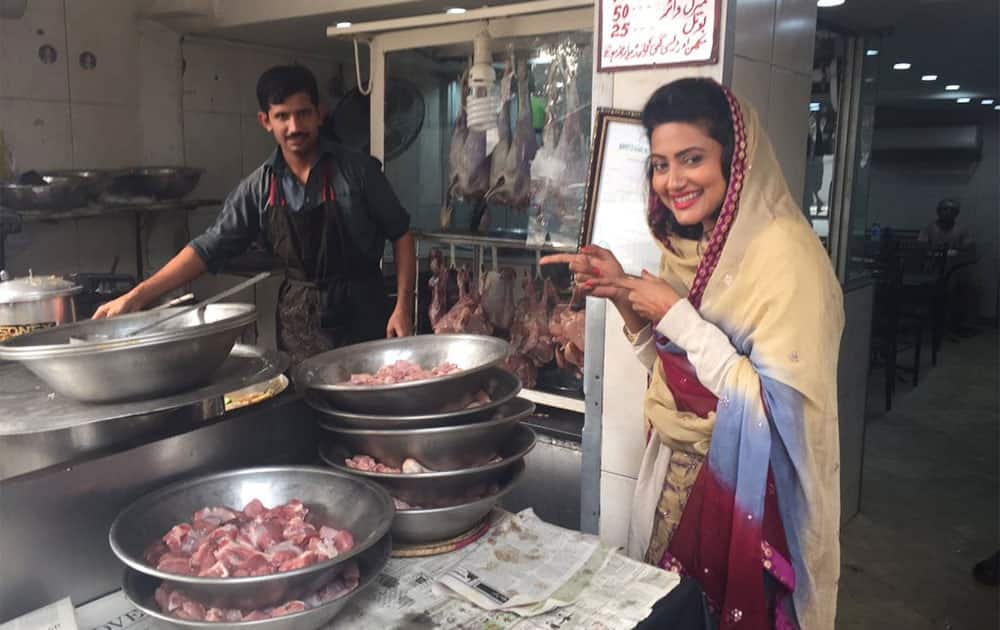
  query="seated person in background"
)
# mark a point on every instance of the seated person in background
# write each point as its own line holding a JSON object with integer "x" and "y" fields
{"x": 945, "y": 233}
{"x": 958, "y": 241}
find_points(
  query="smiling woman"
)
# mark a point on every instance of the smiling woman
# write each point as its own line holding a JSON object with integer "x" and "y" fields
{"x": 740, "y": 331}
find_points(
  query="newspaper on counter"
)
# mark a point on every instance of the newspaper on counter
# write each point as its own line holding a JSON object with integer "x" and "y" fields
{"x": 607, "y": 591}
{"x": 56, "y": 616}
{"x": 520, "y": 564}
{"x": 114, "y": 612}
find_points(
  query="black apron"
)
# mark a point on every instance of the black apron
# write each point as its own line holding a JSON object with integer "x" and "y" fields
{"x": 333, "y": 295}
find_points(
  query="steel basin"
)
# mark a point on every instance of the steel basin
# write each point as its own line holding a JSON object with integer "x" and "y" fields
{"x": 95, "y": 180}
{"x": 441, "y": 448}
{"x": 334, "y": 499}
{"x": 501, "y": 385}
{"x": 434, "y": 487}
{"x": 158, "y": 182}
{"x": 58, "y": 193}
{"x": 182, "y": 354}
{"x": 326, "y": 375}
{"x": 438, "y": 524}
{"x": 139, "y": 589}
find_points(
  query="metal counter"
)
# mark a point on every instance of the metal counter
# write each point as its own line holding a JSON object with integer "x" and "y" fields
{"x": 551, "y": 481}
{"x": 67, "y": 469}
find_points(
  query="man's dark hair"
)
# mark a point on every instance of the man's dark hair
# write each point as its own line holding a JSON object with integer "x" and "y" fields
{"x": 278, "y": 83}
{"x": 949, "y": 204}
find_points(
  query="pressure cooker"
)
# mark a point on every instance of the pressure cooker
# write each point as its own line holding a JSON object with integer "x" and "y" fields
{"x": 36, "y": 302}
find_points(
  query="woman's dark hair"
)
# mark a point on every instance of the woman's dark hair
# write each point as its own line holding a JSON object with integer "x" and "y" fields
{"x": 698, "y": 102}
{"x": 278, "y": 83}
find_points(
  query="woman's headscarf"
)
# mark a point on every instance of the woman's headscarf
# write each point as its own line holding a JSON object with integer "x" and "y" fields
{"x": 766, "y": 281}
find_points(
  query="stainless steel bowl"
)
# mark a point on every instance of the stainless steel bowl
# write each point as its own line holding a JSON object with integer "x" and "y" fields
{"x": 139, "y": 589}
{"x": 438, "y": 524}
{"x": 440, "y": 448}
{"x": 435, "y": 487}
{"x": 159, "y": 182}
{"x": 328, "y": 374}
{"x": 95, "y": 180}
{"x": 58, "y": 193}
{"x": 181, "y": 354}
{"x": 334, "y": 499}
{"x": 501, "y": 385}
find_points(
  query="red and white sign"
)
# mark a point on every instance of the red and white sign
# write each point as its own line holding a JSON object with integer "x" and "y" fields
{"x": 646, "y": 33}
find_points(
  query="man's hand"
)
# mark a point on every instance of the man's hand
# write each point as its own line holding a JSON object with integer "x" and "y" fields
{"x": 400, "y": 322}
{"x": 127, "y": 303}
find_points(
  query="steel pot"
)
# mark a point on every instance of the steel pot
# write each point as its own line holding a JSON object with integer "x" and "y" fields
{"x": 34, "y": 303}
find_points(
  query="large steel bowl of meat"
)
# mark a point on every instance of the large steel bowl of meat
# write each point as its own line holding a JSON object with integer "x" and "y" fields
{"x": 422, "y": 525}
{"x": 329, "y": 375}
{"x": 499, "y": 385}
{"x": 140, "y": 589}
{"x": 333, "y": 499}
{"x": 93, "y": 361}
{"x": 437, "y": 487}
{"x": 438, "y": 448}
{"x": 159, "y": 182}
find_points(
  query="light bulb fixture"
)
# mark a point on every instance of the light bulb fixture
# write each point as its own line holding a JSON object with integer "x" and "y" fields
{"x": 872, "y": 52}
{"x": 454, "y": 11}
{"x": 964, "y": 99}
{"x": 929, "y": 77}
{"x": 902, "y": 65}
{"x": 814, "y": 107}
{"x": 953, "y": 87}
{"x": 481, "y": 100}
{"x": 826, "y": 4}
{"x": 987, "y": 101}
{"x": 344, "y": 25}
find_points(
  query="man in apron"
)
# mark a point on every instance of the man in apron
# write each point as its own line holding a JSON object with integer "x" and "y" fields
{"x": 325, "y": 212}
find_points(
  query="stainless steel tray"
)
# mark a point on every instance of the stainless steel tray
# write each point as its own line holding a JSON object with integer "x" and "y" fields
{"x": 40, "y": 428}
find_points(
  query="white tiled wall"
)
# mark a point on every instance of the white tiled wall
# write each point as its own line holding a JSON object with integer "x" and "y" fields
{"x": 772, "y": 68}
{"x": 151, "y": 99}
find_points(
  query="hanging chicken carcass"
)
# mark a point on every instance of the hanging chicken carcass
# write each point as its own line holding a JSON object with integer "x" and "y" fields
{"x": 567, "y": 325}
{"x": 467, "y": 315}
{"x": 529, "y": 334}
{"x": 468, "y": 164}
{"x": 439, "y": 287}
{"x": 510, "y": 183}
{"x": 497, "y": 293}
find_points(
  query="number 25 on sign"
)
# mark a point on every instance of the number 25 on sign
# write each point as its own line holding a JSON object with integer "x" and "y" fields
{"x": 619, "y": 28}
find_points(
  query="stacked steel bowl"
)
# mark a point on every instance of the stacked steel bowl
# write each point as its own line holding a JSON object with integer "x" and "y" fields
{"x": 458, "y": 451}
{"x": 332, "y": 499}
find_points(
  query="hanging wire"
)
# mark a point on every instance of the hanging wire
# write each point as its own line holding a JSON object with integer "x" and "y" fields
{"x": 365, "y": 91}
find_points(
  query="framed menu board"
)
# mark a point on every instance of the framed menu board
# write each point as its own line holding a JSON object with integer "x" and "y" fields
{"x": 617, "y": 191}
{"x": 635, "y": 34}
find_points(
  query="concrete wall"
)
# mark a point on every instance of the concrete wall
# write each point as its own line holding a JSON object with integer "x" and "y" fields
{"x": 772, "y": 67}
{"x": 905, "y": 197}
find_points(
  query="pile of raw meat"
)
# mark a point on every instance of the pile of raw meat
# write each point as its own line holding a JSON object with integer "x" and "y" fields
{"x": 222, "y": 542}
{"x": 539, "y": 328}
{"x": 368, "y": 463}
{"x": 177, "y": 604}
{"x": 403, "y": 372}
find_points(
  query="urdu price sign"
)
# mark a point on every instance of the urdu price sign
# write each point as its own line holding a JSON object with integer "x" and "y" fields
{"x": 636, "y": 34}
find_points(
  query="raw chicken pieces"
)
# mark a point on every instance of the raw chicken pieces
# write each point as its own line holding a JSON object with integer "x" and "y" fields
{"x": 403, "y": 372}
{"x": 178, "y": 604}
{"x": 223, "y": 542}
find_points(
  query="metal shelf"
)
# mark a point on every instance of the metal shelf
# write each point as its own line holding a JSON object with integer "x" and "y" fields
{"x": 554, "y": 400}
{"x": 100, "y": 210}
{"x": 490, "y": 241}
